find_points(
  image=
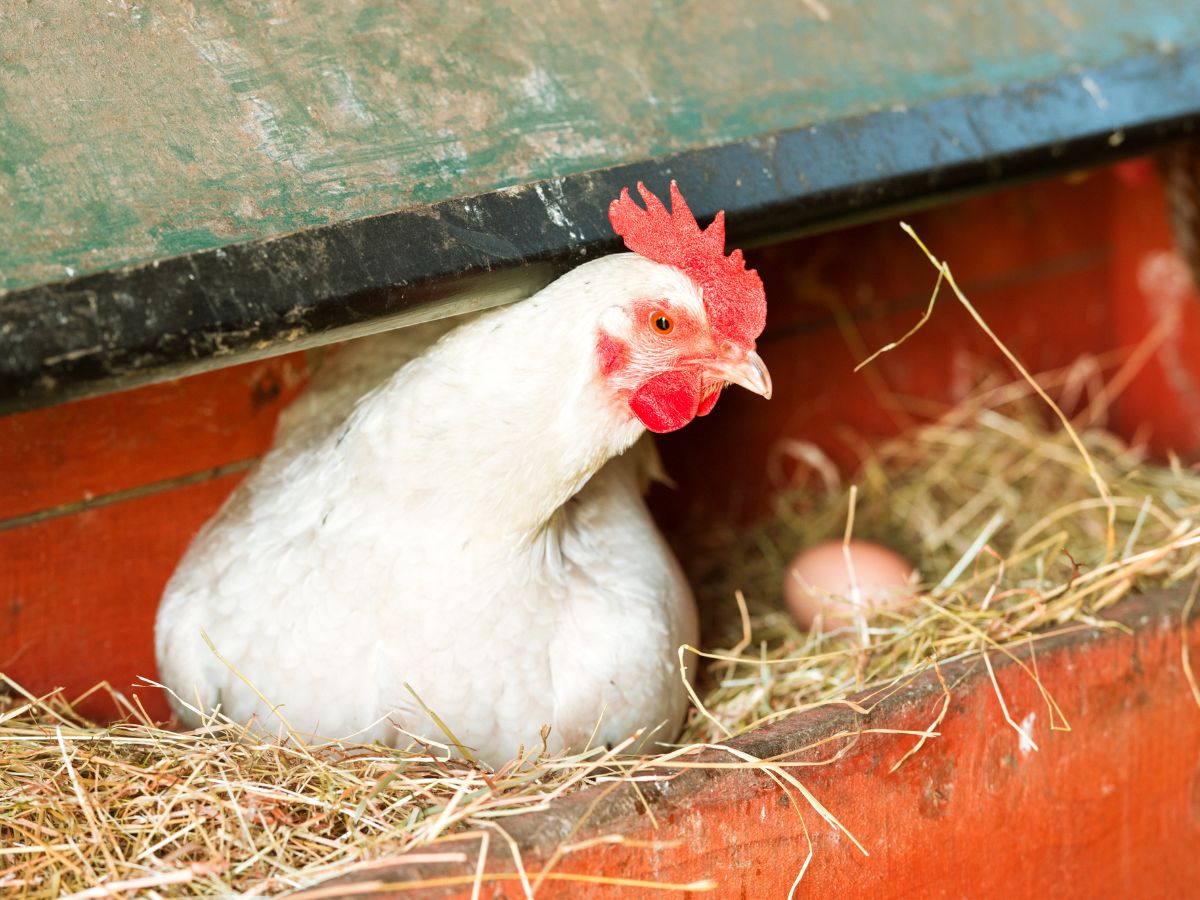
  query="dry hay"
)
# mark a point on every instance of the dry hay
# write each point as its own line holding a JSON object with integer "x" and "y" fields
{"x": 1001, "y": 517}
{"x": 1018, "y": 529}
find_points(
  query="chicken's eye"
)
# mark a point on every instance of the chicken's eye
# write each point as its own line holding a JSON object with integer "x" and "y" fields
{"x": 662, "y": 323}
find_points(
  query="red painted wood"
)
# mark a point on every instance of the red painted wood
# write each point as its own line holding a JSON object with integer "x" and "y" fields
{"x": 76, "y": 451}
{"x": 1152, "y": 285}
{"x": 990, "y": 240}
{"x": 78, "y": 593}
{"x": 1109, "y": 809}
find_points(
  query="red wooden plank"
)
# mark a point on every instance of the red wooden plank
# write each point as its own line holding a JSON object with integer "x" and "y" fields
{"x": 77, "y": 451}
{"x": 1153, "y": 287}
{"x": 79, "y": 592}
{"x": 1109, "y": 809}
{"x": 990, "y": 240}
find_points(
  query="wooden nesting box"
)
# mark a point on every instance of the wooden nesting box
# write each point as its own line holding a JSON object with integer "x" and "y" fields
{"x": 190, "y": 202}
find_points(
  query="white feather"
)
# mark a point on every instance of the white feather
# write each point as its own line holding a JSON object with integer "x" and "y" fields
{"x": 447, "y": 516}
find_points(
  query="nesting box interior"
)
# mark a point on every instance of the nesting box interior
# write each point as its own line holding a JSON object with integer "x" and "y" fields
{"x": 101, "y": 496}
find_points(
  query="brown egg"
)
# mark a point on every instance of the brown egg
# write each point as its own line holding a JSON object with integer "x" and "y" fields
{"x": 818, "y": 581}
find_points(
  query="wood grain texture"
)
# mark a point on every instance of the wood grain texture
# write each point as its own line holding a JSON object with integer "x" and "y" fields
{"x": 78, "y": 594}
{"x": 137, "y": 132}
{"x": 87, "y": 451}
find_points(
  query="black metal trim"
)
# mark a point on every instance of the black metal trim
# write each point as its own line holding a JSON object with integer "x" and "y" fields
{"x": 127, "y": 326}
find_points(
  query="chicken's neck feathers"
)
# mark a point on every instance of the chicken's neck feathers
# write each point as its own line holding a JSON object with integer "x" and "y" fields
{"x": 504, "y": 420}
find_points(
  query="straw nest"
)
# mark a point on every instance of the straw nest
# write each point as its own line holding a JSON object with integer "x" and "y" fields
{"x": 1017, "y": 528}
{"x": 1003, "y": 520}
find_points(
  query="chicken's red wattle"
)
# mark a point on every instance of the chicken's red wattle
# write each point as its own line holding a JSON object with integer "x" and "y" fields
{"x": 669, "y": 401}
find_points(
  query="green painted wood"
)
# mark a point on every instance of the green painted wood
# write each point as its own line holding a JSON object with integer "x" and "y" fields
{"x": 132, "y": 132}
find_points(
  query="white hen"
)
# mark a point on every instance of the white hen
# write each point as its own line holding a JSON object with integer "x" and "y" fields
{"x": 472, "y": 525}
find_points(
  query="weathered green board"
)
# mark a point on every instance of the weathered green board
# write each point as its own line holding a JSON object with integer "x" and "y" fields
{"x": 131, "y": 132}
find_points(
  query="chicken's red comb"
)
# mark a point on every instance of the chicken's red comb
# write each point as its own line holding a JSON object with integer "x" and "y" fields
{"x": 733, "y": 295}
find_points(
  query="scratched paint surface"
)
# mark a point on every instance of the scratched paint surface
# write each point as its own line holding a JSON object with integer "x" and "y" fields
{"x": 132, "y": 132}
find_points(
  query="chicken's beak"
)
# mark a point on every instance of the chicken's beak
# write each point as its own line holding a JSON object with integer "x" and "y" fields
{"x": 749, "y": 371}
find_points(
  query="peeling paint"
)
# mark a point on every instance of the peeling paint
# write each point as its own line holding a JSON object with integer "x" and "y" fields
{"x": 342, "y": 86}
{"x": 818, "y": 9}
{"x": 1093, "y": 89}
{"x": 553, "y": 209}
{"x": 539, "y": 87}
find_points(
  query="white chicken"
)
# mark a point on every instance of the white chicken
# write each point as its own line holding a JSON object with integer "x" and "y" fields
{"x": 460, "y": 528}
